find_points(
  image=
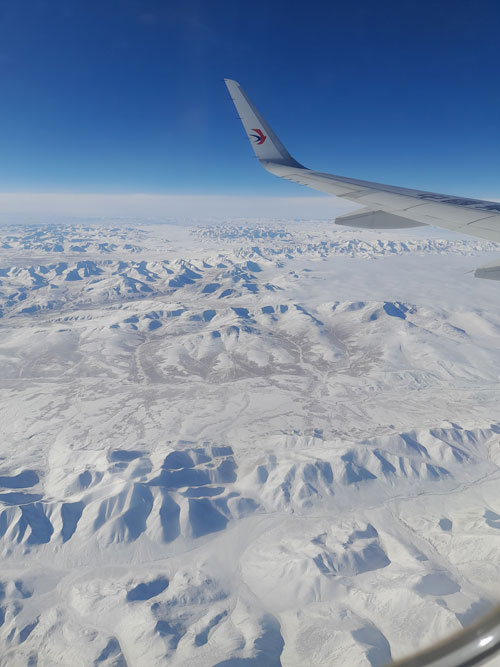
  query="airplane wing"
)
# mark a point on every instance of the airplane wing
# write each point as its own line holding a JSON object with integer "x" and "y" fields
{"x": 386, "y": 206}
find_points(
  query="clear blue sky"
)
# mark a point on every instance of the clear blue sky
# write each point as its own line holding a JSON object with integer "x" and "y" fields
{"x": 127, "y": 95}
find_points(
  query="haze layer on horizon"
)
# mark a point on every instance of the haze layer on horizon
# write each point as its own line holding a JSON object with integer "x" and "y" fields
{"x": 43, "y": 207}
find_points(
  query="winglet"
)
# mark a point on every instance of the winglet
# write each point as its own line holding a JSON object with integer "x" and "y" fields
{"x": 266, "y": 145}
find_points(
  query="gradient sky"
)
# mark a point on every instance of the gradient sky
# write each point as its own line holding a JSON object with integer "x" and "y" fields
{"x": 127, "y": 95}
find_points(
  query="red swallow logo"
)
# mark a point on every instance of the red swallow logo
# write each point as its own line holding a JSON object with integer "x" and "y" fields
{"x": 259, "y": 136}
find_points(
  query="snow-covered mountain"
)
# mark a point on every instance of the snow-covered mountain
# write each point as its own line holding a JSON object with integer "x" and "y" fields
{"x": 261, "y": 444}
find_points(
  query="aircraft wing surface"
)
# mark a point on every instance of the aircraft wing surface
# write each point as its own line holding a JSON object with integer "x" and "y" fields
{"x": 388, "y": 206}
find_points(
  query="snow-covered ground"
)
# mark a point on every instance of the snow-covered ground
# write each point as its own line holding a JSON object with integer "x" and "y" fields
{"x": 246, "y": 443}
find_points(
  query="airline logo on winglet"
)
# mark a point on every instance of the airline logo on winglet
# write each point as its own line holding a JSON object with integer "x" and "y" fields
{"x": 259, "y": 137}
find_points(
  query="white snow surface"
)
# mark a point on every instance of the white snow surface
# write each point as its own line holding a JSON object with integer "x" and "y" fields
{"x": 251, "y": 443}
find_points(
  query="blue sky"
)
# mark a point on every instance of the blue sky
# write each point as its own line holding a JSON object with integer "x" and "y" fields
{"x": 127, "y": 95}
